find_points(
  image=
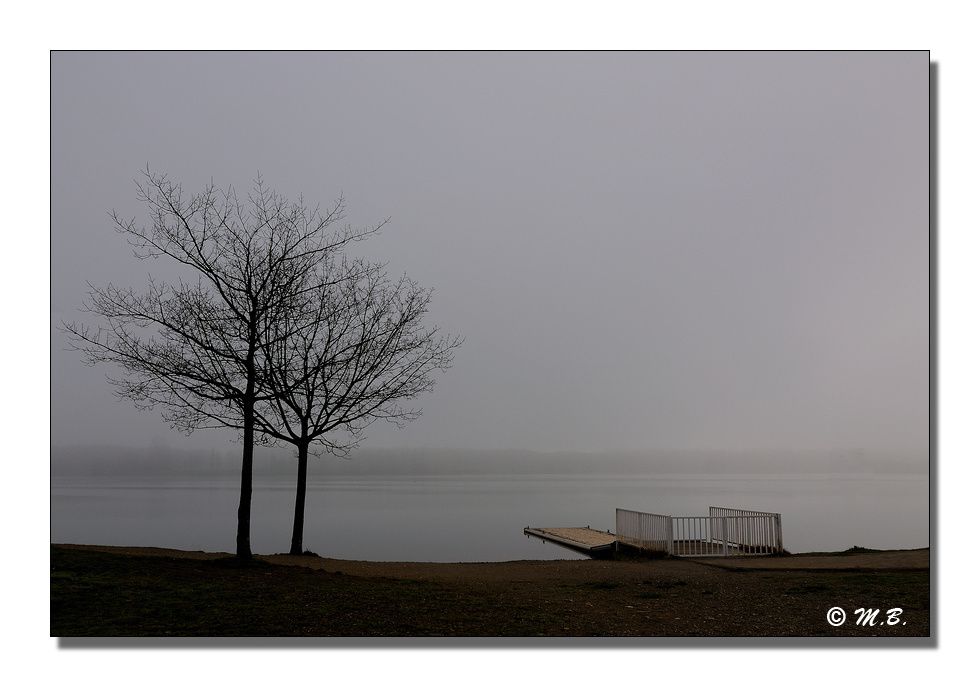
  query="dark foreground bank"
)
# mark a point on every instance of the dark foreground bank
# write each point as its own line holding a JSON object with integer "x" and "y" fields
{"x": 102, "y": 591}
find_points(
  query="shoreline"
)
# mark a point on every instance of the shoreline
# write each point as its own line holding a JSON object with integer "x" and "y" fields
{"x": 854, "y": 559}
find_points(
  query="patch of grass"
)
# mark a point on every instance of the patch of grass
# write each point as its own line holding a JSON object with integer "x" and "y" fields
{"x": 859, "y": 549}
{"x": 807, "y": 589}
{"x": 847, "y": 552}
{"x": 649, "y": 595}
{"x": 603, "y": 584}
{"x": 235, "y": 562}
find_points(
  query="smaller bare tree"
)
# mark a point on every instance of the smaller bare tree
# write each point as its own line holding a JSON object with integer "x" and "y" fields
{"x": 351, "y": 350}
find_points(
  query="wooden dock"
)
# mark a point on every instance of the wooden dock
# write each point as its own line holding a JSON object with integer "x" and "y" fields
{"x": 585, "y": 540}
{"x": 724, "y": 532}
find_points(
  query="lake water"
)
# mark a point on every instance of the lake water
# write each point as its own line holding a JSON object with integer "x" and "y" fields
{"x": 480, "y": 518}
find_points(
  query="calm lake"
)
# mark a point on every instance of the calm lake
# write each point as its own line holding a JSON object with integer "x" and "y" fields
{"x": 479, "y": 518}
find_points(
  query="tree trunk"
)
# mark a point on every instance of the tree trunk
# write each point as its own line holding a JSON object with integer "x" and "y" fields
{"x": 299, "y": 514}
{"x": 244, "y": 545}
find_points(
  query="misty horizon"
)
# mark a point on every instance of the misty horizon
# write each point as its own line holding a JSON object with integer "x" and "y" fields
{"x": 644, "y": 251}
{"x": 173, "y": 461}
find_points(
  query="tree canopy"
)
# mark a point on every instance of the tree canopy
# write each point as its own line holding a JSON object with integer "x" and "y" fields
{"x": 193, "y": 347}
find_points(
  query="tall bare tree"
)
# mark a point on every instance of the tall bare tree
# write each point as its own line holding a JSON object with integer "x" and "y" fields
{"x": 352, "y": 350}
{"x": 192, "y": 347}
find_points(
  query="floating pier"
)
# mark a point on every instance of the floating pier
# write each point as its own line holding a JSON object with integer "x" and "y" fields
{"x": 585, "y": 540}
{"x": 723, "y": 532}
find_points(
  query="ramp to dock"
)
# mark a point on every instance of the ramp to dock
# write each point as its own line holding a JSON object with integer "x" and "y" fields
{"x": 582, "y": 539}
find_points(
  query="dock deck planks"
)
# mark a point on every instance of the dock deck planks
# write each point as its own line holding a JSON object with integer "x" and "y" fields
{"x": 584, "y": 539}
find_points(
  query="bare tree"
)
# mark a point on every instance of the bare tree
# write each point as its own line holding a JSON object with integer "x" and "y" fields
{"x": 349, "y": 352}
{"x": 192, "y": 348}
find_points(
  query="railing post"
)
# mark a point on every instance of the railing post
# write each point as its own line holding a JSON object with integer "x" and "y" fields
{"x": 724, "y": 536}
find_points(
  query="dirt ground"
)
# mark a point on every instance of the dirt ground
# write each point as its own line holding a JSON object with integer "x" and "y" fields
{"x": 96, "y": 588}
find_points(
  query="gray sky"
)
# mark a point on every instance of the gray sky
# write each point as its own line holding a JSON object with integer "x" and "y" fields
{"x": 643, "y": 250}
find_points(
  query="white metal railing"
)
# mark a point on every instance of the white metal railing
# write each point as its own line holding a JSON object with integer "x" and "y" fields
{"x": 647, "y": 531}
{"x": 757, "y": 531}
{"x": 724, "y": 532}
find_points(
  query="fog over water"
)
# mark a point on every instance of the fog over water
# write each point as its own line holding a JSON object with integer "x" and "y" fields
{"x": 704, "y": 264}
{"x": 447, "y": 506}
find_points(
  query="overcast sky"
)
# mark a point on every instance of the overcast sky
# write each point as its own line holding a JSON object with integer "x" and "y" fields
{"x": 642, "y": 250}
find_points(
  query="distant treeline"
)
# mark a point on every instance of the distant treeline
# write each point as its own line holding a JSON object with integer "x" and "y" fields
{"x": 158, "y": 461}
